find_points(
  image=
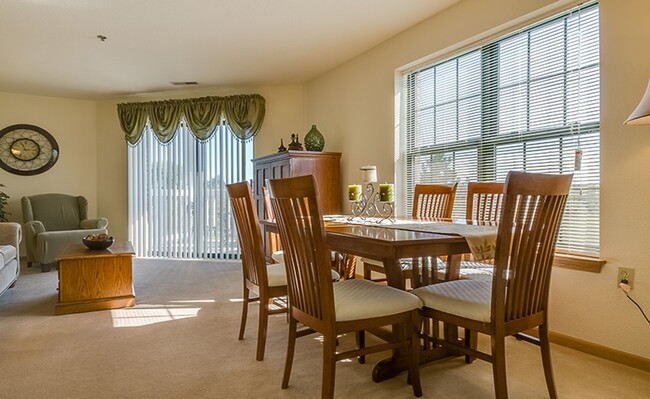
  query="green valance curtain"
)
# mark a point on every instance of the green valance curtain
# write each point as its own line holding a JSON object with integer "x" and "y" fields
{"x": 243, "y": 113}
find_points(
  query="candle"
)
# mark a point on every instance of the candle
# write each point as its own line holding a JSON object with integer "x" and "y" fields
{"x": 354, "y": 192}
{"x": 369, "y": 174}
{"x": 386, "y": 192}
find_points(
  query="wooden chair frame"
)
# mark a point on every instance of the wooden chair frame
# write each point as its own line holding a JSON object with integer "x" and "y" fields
{"x": 253, "y": 263}
{"x": 311, "y": 291}
{"x": 484, "y": 201}
{"x": 527, "y": 233}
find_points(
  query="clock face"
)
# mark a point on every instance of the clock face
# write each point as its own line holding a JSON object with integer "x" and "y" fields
{"x": 27, "y": 150}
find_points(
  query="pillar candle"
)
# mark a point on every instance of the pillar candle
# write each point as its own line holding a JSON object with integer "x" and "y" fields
{"x": 386, "y": 192}
{"x": 354, "y": 192}
{"x": 369, "y": 174}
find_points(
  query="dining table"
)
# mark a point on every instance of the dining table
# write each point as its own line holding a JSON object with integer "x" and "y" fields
{"x": 392, "y": 240}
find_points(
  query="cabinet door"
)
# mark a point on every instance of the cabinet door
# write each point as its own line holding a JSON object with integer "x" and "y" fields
{"x": 280, "y": 169}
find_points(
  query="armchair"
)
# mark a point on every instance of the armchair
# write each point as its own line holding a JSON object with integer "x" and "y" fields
{"x": 53, "y": 221}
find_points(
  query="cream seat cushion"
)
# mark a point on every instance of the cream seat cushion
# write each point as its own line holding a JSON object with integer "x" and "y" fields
{"x": 363, "y": 299}
{"x": 466, "y": 298}
{"x": 277, "y": 275}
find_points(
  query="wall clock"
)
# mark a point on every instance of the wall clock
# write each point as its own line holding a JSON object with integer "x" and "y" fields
{"x": 27, "y": 149}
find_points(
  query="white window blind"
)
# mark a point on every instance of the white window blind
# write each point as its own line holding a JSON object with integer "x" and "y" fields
{"x": 528, "y": 101}
{"x": 178, "y": 203}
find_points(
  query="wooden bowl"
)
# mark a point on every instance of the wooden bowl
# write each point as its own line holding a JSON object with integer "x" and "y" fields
{"x": 94, "y": 244}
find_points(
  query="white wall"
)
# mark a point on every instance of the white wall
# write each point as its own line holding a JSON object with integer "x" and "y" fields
{"x": 353, "y": 106}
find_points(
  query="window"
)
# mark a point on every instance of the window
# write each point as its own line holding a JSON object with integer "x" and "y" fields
{"x": 178, "y": 203}
{"x": 528, "y": 101}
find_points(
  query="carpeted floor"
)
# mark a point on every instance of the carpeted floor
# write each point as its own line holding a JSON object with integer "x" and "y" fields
{"x": 180, "y": 341}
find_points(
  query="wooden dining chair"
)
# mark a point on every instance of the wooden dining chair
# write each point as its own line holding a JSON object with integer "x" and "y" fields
{"x": 517, "y": 297}
{"x": 430, "y": 201}
{"x": 484, "y": 203}
{"x": 266, "y": 282}
{"x": 337, "y": 308}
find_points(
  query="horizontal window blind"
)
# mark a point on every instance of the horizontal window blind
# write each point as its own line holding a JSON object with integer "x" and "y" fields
{"x": 178, "y": 203}
{"x": 528, "y": 101}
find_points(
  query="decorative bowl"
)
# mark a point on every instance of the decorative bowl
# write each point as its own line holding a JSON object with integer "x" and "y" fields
{"x": 95, "y": 243}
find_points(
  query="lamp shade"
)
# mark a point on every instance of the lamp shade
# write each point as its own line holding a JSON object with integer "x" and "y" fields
{"x": 641, "y": 115}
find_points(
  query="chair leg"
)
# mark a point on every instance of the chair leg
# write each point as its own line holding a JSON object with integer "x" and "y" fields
{"x": 361, "y": 343}
{"x": 499, "y": 367}
{"x": 546, "y": 360}
{"x": 329, "y": 367}
{"x": 29, "y": 264}
{"x": 471, "y": 341}
{"x": 367, "y": 273}
{"x": 291, "y": 346}
{"x": 262, "y": 327}
{"x": 244, "y": 313}
{"x": 414, "y": 358}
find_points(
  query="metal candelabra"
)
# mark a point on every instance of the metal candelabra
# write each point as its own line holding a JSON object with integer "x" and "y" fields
{"x": 370, "y": 205}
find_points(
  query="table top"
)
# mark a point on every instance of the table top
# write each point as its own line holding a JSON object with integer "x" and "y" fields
{"x": 79, "y": 251}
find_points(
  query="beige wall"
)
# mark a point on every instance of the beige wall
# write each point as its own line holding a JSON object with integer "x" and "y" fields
{"x": 72, "y": 123}
{"x": 353, "y": 106}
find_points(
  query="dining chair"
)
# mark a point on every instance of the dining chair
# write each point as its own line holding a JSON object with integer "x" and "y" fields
{"x": 272, "y": 240}
{"x": 484, "y": 202}
{"x": 343, "y": 264}
{"x": 516, "y": 299}
{"x": 337, "y": 308}
{"x": 267, "y": 282}
{"x": 430, "y": 201}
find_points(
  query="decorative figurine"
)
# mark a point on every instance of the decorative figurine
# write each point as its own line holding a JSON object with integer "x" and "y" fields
{"x": 282, "y": 148}
{"x": 295, "y": 143}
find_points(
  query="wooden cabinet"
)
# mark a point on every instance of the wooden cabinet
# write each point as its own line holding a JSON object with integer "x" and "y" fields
{"x": 323, "y": 165}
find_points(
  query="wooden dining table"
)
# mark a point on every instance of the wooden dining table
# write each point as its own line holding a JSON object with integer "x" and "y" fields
{"x": 389, "y": 244}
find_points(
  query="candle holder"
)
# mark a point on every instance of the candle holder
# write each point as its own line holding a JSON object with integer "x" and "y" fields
{"x": 370, "y": 205}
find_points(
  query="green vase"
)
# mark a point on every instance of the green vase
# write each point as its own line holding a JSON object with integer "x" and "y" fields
{"x": 314, "y": 140}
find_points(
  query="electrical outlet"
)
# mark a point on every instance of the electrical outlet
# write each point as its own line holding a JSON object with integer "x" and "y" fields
{"x": 625, "y": 273}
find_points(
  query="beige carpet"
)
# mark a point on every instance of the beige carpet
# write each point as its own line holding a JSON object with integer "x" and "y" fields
{"x": 180, "y": 341}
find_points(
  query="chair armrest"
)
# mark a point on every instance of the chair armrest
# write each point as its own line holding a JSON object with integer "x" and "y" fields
{"x": 99, "y": 223}
{"x": 31, "y": 230}
{"x": 10, "y": 234}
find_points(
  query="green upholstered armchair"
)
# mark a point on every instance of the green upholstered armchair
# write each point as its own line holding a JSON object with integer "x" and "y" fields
{"x": 52, "y": 221}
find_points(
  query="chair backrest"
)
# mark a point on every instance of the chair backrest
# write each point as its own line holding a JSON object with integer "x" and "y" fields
{"x": 528, "y": 229}
{"x": 434, "y": 200}
{"x": 56, "y": 211}
{"x": 484, "y": 201}
{"x": 268, "y": 209}
{"x": 249, "y": 233}
{"x": 272, "y": 240}
{"x": 306, "y": 257}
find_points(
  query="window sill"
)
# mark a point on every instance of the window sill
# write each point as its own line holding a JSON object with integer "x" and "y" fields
{"x": 582, "y": 263}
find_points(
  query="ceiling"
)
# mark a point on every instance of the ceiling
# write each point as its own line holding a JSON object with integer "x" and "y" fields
{"x": 51, "y": 47}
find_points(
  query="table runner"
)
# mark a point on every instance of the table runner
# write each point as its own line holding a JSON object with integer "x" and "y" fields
{"x": 481, "y": 239}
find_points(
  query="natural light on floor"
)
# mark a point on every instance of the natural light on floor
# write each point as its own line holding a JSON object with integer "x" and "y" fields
{"x": 142, "y": 315}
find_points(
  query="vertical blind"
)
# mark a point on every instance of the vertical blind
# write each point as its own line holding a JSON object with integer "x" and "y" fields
{"x": 178, "y": 203}
{"x": 528, "y": 101}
